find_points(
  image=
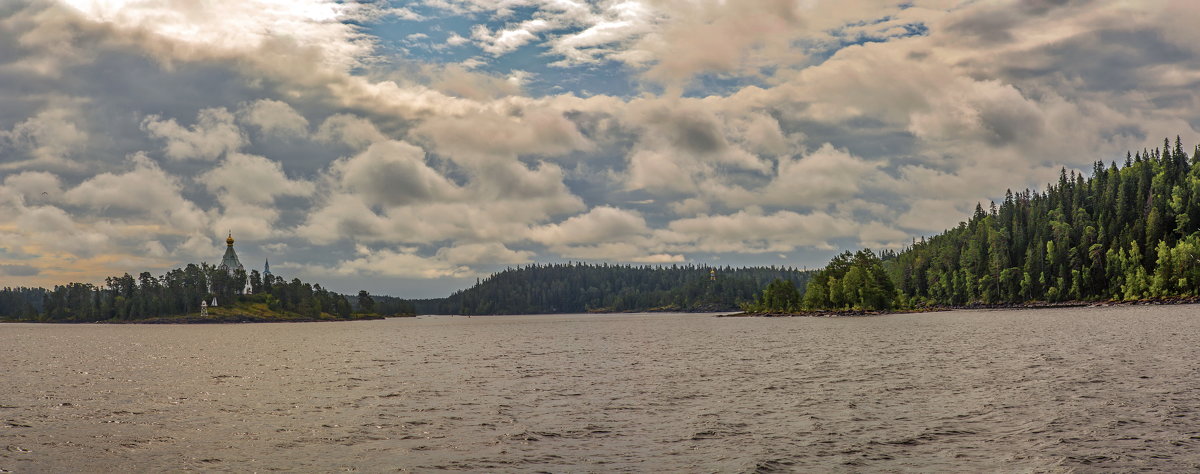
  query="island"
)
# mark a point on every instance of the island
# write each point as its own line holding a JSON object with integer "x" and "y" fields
{"x": 202, "y": 293}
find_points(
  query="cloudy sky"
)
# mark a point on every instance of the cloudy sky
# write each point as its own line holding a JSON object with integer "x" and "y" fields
{"x": 408, "y": 147}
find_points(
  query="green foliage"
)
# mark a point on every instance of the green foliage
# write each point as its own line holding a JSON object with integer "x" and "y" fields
{"x": 389, "y": 306}
{"x": 851, "y": 281}
{"x": 365, "y": 303}
{"x": 579, "y": 288}
{"x": 177, "y": 293}
{"x": 1124, "y": 233}
{"x": 779, "y": 296}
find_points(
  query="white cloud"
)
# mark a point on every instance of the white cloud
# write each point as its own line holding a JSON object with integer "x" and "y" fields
{"x": 182, "y": 29}
{"x": 110, "y": 223}
{"x": 394, "y": 173}
{"x": 351, "y": 130}
{"x": 617, "y": 252}
{"x": 456, "y": 39}
{"x": 50, "y": 138}
{"x": 505, "y": 41}
{"x": 213, "y": 135}
{"x": 600, "y": 224}
{"x": 751, "y": 231}
{"x": 934, "y": 215}
{"x": 252, "y": 179}
{"x": 395, "y": 263}
{"x": 492, "y": 253}
{"x": 146, "y": 188}
{"x": 274, "y": 117}
{"x": 824, "y": 176}
{"x": 484, "y": 134}
{"x": 35, "y": 187}
{"x": 460, "y": 81}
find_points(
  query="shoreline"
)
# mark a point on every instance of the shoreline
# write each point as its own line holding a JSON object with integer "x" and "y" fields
{"x": 978, "y": 306}
{"x": 234, "y": 319}
{"x": 245, "y": 318}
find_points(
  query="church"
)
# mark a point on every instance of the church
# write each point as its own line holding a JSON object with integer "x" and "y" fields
{"x": 229, "y": 262}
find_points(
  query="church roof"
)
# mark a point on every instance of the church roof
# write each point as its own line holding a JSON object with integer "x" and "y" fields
{"x": 229, "y": 262}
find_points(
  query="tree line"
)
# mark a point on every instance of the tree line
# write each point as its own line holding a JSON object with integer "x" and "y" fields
{"x": 583, "y": 287}
{"x": 178, "y": 292}
{"x": 1126, "y": 232}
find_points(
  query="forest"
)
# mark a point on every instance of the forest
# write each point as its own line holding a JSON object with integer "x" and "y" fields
{"x": 1127, "y": 232}
{"x": 1124, "y": 233}
{"x": 582, "y": 287}
{"x": 180, "y": 292}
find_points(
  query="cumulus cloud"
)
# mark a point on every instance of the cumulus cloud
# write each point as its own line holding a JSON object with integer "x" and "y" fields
{"x": 351, "y": 130}
{"x": 48, "y": 139}
{"x": 822, "y": 177}
{"x": 189, "y": 31}
{"x": 252, "y": 179}
{"x": 34, "y": 186}
{"x": 932, "y": 215}
{"x": 95, "y": 228}
{"x": 723, "y": 37}
{"x": 532, "y": 131}
{"x": 145, "y": 188}
{"x": 397, "y": 263}
{"x": 274, "y": 117}
{"x": 483, "y": 253}
{"x": 390, "y": 192}
{"x": 456, "y": 39}
{"x": 212, "y": 135}
{"x": 600, "y": 224}
{"x": 460, "y": 81}
{"x": 752, "y": 231}
{"x": 509, "y": 39}
{"x": 393, "y": 173}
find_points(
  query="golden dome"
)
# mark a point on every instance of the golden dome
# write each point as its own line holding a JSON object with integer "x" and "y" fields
{"x": 229, "y": 241}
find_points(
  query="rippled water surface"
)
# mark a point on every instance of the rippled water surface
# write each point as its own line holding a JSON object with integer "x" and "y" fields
{"x": 1048, "y": 390}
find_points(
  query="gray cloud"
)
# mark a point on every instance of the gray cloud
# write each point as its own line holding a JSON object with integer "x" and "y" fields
{"x": 19, "y": 270}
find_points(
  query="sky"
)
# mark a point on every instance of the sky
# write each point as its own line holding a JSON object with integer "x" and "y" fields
{"x": 410, "y": 147}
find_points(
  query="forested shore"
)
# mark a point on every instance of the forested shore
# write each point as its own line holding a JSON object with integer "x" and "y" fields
{"x": 592, "y": 288}
{"x": 179, "y": 295}
{"x": 1127, "y": 233}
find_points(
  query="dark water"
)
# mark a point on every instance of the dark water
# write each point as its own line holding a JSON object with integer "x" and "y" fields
{"x": 1048, "y": 390}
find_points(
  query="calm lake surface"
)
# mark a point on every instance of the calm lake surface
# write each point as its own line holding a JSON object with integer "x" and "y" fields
{"x": 1078, "y": 389}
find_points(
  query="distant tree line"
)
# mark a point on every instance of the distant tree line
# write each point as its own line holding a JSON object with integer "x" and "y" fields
{"x": 21, "y": 302}
{"x": 582, "y": 287}
{"x": 385, "y": 305}
{"x": 178, "y": 292}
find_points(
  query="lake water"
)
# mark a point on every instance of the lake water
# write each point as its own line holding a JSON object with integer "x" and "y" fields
{"x": 1046, "y": 390}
